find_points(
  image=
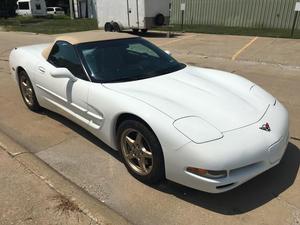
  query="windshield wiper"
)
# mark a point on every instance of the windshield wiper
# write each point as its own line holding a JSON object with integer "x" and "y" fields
{"x": 124, "y": 79}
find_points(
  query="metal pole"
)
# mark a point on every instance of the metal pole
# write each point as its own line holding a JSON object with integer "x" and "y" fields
{"x": 71, "y": 9}
{"x": 137, "y": 13}
{"x": 169, "y": 27}
{"x": 128, "y": 13}
{"x": 294, "y": 24}
{"x": 87, "y": 9}
{"x": 182, "y": 18}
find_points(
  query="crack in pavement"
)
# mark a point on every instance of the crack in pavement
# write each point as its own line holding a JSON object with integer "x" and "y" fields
{"x": 295, "y": 138}
{"x": 48, "y": 182}
{"x": 56, "y": 144}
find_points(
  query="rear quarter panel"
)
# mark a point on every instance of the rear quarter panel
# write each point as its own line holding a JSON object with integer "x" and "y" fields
{"x": 28, "y": 58}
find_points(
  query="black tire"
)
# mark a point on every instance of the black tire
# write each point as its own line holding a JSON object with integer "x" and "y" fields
{"x": 157, "y": 173}
{"x": 31, "y": 103}
{"x": 108, "y": 27}
{"x": 116, "y": 27}
{"x": 135, "y": 31}
{"x": 159, "y": 19}
{"x": 144, "y": 31}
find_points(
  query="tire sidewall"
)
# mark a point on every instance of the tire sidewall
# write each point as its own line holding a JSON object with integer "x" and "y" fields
{"x": 159, "y": 19}
{"x": 108, "y": 27}
{"x": 116, "y": 27}
{"x": 35, "y": 106}
{"x": 157, "y": 173}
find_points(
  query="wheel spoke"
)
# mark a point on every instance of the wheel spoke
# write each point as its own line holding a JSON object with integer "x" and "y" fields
{"x": 138, "y": 139}
{"x": 130, "y": 142}
{"x": 142, "y": 164}
{"x": 146, "y": 153}
{"x": 24, "y": 84}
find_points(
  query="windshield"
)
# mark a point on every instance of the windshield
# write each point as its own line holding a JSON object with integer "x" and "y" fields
{"x": 125, "y": 60}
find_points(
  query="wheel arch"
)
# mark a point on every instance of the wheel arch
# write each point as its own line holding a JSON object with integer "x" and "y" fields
{"x": 18, "y": 70}
{"x": 129, "y": 116}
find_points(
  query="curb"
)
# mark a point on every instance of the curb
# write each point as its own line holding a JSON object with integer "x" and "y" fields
{"x": 91, "y": 207}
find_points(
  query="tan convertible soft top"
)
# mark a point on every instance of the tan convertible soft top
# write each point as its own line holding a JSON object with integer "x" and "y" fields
{"x": 84, "y": 38}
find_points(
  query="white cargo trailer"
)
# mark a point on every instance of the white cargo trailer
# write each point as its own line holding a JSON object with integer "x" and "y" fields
{"x": 31, "y": 8}
{"x": 117, "y": 15}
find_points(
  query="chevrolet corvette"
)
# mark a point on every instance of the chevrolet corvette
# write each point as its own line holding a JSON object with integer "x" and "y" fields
{"x": 203, "y": 128}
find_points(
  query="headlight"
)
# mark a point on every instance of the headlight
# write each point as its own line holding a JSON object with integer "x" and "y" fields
{"x": 197, "y": 130}
{"x": 213, "y": 174}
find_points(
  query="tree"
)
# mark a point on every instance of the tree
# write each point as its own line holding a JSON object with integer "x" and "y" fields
{"x": 8, "y": 8}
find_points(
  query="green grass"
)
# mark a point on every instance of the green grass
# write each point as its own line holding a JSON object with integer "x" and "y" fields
{"x": 284, "y": 33}
{"x": 54, "y": 25}
{"x": 64, "y": 24}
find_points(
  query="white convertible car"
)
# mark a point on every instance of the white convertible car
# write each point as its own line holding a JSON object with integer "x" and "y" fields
{"x": 203, "y": 128}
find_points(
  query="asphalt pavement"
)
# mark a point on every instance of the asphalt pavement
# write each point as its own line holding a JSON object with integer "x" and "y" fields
{"x": 271, "y": 198}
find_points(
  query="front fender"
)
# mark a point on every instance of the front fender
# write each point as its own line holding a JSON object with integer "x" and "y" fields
{"x": 111, "y": 104}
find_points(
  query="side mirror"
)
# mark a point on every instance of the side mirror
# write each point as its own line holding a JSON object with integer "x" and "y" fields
{"x": 63, "y": 73}
{"x": 168, "y": 52}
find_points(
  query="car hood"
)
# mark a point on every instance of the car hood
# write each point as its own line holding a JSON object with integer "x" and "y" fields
{"x": 225, "y": 100}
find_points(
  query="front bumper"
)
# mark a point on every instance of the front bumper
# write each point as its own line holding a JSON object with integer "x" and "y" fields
{"x": 243, "y": 153}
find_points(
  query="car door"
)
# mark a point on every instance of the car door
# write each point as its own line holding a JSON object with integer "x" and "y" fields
{"x": 133, "y": 13}
{"x": 62, "y": 94}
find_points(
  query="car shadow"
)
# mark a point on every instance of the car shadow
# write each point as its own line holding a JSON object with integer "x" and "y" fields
{"x": 242, "y": 199}
{"x": 82, "y": 132}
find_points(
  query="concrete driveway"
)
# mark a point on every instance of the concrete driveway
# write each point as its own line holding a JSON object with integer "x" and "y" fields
{"x": 271, "y": 198}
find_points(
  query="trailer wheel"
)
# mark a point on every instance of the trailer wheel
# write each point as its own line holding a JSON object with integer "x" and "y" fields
{"x": 135, "y": 31}
{"x": 108, "y": 27}
{"x": 144, "y": 31}
{"x": 159, "y": 19}
{"x": 116, "y": 27}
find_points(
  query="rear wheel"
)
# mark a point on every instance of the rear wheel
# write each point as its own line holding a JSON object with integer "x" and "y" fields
{"x": 141, "y": 151}
{"x": 116, "y": 27}
{"x": 27, "y": 92}
{"x": 159, "y": 19}
{"x": 144, "y": 31}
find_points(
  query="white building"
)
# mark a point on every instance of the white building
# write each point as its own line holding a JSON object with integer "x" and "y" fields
{"x": 85, "y": 8}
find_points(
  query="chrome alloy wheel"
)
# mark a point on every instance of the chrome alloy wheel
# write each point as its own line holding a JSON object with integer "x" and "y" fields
{"x": 26, "y": 90}
{"x": 136, "y": 151}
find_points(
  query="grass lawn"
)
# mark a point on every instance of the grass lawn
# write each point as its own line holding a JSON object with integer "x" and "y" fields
{"x": 284, "y": 33}
{"x": 54, "y": 25}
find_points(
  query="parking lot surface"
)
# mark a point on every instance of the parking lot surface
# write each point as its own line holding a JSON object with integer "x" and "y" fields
{"x": 271, "y": 198}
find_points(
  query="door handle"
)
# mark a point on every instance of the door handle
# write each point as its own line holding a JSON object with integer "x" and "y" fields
{"x": 42, "y": 69}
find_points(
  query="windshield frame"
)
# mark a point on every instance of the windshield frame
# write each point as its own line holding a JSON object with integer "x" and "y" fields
{"x": 133, "y": 78}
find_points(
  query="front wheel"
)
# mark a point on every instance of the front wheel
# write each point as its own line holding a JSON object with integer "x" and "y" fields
{"x": 108, "y": 27}
{"x": 141, "y": 152}
{"x": 135, "y": 31}
{"x": 27, "y": 92}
